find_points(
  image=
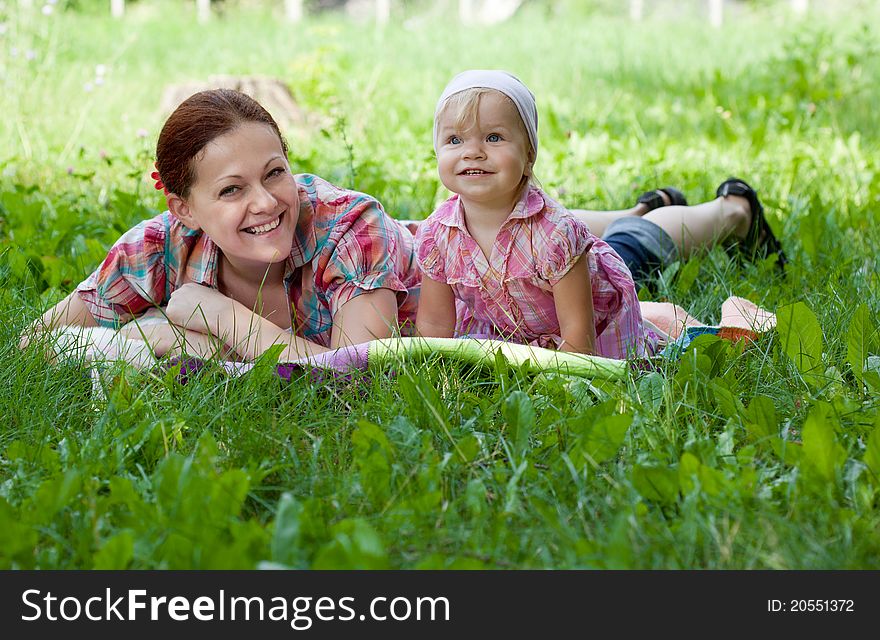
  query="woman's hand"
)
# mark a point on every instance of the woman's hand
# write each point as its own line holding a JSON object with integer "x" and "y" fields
{"x": 200, "y": 308}
{"x": 165, "y": 338}
{"x": 205, "y": 310}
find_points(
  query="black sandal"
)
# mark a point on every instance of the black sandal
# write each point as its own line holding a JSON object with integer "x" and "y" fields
{"x": 759, "y": 241}
{"x": 653, "y": 199}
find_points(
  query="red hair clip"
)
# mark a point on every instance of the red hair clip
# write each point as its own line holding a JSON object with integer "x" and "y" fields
{"x": 159, "y": 184}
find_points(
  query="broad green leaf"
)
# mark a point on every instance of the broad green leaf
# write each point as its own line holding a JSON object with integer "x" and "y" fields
{"x": 17, "y": 450}
{"x": 761, "y": 419}
{"x": 812, "y": 232}
{"x": 787, "y": 451}
{"x": 475, "y": 497}
{"x": 689, "y": 467}
{"x": 53, "y": 495}
{"x": 651, "y": 389}
{"x": 872, "y": 373}
{"x": 659, "y": 484}
{"x": 355, "y": 545}
{"x": 285, "y": 546}
{"x": 270, "y": 356}
{"x": 712, "y": 480}
{"x": 801, "y": 338}
{"x": 468, "y": 448}
{"x": 512, "y": 489}
{"x": 604, "y": 440}
{"x": 688, "y": 275}
{"x": 727, "y": 403}
{"x": 858, "y": 341}
{"x": 618, "y": 549}
{"x": 520, "y": 417}
{"x": 822, "y": 452}
{"x": 872, "y": 451}
{"x": 116, "y": 553}
{"x": 373, "y": 456}
{"x": 16, "y": 537}
{"x": 228, "y": 493}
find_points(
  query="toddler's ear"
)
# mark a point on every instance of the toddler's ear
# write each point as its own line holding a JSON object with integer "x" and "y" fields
{"x": 530, "y": 164}
{"x": 180, "y": 210}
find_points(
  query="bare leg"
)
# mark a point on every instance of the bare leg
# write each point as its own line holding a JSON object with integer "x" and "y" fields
{"x": 598, "y": 221}
{"x": 701, "y": 226}
{"x": 668, "y": 317}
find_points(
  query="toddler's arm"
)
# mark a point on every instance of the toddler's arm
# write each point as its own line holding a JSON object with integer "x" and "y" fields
{"x": 573, "y": 297}
{"x": 371, "y": 315}
{"x": 436, "y": 315}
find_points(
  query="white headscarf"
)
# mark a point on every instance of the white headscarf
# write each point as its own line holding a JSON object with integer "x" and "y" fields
{"x": 506, "y": 83}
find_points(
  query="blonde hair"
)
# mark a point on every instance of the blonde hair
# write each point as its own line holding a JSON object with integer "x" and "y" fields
{"x": 466, "y": 107}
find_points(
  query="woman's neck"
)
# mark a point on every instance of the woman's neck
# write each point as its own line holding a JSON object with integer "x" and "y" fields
{"x": 232, "y": 276}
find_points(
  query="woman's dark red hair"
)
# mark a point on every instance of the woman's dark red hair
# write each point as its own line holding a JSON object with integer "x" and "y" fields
{"x": 198, "y": 120}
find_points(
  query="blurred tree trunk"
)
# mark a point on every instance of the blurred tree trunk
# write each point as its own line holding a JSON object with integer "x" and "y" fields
{"x": 383, "y": 11}
{"x": 716, "y": 12}
{"x": 636, "y": 8}
{"x": 203, "y": 10}
{"x": 293, "y": 10}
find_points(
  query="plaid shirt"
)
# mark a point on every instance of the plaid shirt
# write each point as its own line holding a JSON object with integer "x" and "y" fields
{"x": 510, "y": 295}
{"x": 344, "y": 245}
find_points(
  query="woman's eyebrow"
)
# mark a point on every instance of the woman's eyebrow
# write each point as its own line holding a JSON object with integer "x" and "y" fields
{"x": 235, "y": 176}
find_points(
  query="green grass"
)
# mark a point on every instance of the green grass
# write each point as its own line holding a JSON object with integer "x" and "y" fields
{"x": 763, "y": 458}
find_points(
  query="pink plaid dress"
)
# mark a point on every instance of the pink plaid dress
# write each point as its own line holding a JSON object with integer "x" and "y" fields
{"x": 510, "y": 295}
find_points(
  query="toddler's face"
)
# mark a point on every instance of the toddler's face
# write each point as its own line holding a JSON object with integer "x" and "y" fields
{"x": 244, "y": 196}
{"x": 484, "y": 161}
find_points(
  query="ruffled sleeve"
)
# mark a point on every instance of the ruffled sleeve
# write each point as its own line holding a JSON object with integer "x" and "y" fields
{"x": 569, "y": 240}
{"x": 132, "y": 277}
{"x": 429, "y": 253}
{"x": 368, "y": 250}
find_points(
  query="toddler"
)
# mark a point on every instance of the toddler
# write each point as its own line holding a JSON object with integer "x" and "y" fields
{"x": 500, "y": 258}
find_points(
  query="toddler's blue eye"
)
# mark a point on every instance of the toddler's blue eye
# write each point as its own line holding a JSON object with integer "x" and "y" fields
{"x": 454, "y": 140}
{"x": 493, "y": 137}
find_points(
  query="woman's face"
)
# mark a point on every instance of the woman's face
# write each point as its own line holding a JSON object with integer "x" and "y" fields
{"x": 244, "y": 197}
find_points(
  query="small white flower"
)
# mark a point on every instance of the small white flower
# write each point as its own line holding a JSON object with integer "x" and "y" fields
{"x": 88, "y": 86}
{"x": 100, "y": 70}
{"x": 47, "y": 9}
{"x": 30, "y": 54}
{"x": 52, "y": 1}
{"x": 3, "y": 28}
{"x": 13, "y": 52}
{"x": 142, "y": 133}
{"x": 99, "y": 81}
{"x": 8, "y": 171}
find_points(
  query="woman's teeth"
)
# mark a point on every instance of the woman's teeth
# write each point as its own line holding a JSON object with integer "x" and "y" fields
{"x": 264, "y": 228}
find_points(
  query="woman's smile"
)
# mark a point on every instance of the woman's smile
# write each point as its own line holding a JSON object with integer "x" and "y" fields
{"x": 265, "y": 228}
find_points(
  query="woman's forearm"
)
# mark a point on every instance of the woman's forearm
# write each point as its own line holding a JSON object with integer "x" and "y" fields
{"x": 250, "y": 335}
{"x": 165, "y": 338}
